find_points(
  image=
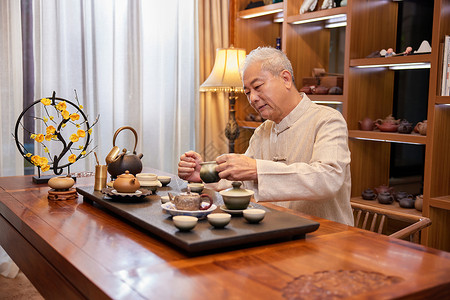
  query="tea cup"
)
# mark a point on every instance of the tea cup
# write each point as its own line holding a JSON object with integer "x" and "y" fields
{"x": 254, "y": 215}
{"x": 196, "y": 187}
{"x": 219, "y": 220}
{"x": 184, "y": 223}
{"x": 208, "y": 172}
{"x": 165, "y": 180}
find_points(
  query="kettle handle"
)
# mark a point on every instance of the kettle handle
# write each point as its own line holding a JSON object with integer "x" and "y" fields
{"x": 135, "y": 136}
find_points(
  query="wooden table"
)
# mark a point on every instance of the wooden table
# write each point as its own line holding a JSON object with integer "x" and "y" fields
{"x": 72, "y": 249}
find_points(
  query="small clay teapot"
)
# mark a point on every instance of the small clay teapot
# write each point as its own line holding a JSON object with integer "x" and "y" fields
{"x": 421, "y": 127}
{"x": 405, "y": 127}
{"x": 118, "y": 164}
{"x": 366, "y": 124}
{"x": 368, "y": 194}
{"x": 320, "y": 90}
{"x": 384, "y": 188}
{"x": 126, "y": 183}
{"x": 306, "y": 89}
{"x": 399, "y": 195}
{"x": 388, "y": 124}
{"x": 407, "y": 202}
{"x": 385, "y": 198}
{"x": 419, "y": 202}
{"x": 191, "y": 201}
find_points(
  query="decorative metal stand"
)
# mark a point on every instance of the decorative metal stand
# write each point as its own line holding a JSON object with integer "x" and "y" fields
{"x": 60, "y": 122}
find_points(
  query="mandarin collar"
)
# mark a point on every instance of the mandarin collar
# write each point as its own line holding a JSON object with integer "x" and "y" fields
{"x": 294, "y": 115}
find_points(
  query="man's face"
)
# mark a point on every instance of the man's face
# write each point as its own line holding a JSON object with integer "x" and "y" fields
{"x": 265, "y": 92}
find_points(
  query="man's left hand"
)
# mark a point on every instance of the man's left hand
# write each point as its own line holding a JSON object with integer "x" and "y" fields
{"x": 236, "y": 167}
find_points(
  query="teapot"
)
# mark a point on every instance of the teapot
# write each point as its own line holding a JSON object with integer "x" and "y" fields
{"x": 366, "y": 124}
{"x": 388, "y": 124}
{"x": 385, "y": 198}
{"x": 407, "y": 202}
{"x": 405, "y": 126}
{"x": 119, "y": 163}
{"x": 384, "y": 188}
{"x": 190, "y": 201}
{"x": 368, "y": 194}
{"x": 126, "y": 183}
{"x": 421, "y": 127}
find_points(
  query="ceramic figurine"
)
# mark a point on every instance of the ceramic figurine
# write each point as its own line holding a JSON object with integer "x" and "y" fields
{"x": 327, "y": 4}
{"x": 308, "y": 5}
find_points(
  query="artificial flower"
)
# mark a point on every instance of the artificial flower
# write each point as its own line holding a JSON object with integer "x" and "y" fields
{"x": 80, "y": 147}
{"x": 40, "y": 138}
{"x": 61, "y": 106}
{"x": 83, "y": 152}
{"x": 46, "y": 101}
{"x": 63, "y": 125}
{"x": 42, "y": 161}
{"x": 90, "y": 131}
{"x": 33, "y": 136}
{"x": 81, "y": 133}
{"x": 74, "y": 116}
{"x": 78, "y": 125}
{"x": 45, "y": 168}
{"x": 50, "y": 129}
{"x": 48, "y": 137}
{"x": 46, "y": 150}
{"x": 34, "y": 159}
{"x": 28, "y": 154}
{"x": 80, "y": 106}
{"x": 74, "y": 138}
{"x": 52, "y": 117}
{"x": 72, "y": 158}
{"x": 45, "y": 119}
{"x": 65, "y": 114}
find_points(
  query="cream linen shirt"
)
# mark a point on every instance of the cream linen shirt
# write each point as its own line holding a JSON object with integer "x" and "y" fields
{"x": 304, "y": 161}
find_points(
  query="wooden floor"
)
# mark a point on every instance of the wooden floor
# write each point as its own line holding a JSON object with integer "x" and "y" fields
{"x": 19, "y": 288}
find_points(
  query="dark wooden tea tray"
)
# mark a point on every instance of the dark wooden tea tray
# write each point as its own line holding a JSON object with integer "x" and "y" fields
{"x": 147, "y": 214}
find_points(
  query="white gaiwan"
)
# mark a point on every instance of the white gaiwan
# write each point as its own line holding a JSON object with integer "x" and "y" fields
{"x": 149, "y": 181}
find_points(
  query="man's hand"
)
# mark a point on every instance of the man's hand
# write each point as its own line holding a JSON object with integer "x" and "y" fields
{"x": 236, "y": 167}
{"x": 189, "y": 166}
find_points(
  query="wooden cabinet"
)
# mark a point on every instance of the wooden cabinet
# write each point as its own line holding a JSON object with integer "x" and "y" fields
{"x": 371, "y": 88}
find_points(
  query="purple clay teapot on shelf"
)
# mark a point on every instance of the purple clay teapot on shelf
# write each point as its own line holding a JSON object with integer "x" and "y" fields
{"x": 368, "y": 194}
{"x": 388, "y": 124}
{"x": 405, "y": 127}
{"x": 366, "y": 124}
{"x": 384, "y": 188}
{"x": 407, "y": 202}
{"x": 385, "y": 198}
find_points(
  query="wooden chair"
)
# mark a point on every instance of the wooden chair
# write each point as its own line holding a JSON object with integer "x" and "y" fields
{"x": 392, "y": 223}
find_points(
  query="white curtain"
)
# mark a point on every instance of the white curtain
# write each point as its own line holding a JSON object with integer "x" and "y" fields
{"x": 11, "y": 163}
{"x": 131, "y": 62}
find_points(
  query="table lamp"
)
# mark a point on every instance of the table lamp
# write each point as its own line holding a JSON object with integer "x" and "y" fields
{"x": 225, "y": 76}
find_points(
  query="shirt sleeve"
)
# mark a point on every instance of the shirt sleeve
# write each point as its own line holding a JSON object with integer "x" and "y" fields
{"x": 320, "y": 178}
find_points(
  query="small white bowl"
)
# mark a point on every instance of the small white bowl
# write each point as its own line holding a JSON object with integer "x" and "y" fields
{"x": 165, "y": 180}
{"x": 219, "y": 220}
{"x": 146, "y": 177}
{"x": 184, "y": 223}
{"x": 254, "y": 215}
{"x": 196, "y": 187}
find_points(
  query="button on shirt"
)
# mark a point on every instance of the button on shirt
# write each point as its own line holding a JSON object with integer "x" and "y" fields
{"x": 303, "y": 162}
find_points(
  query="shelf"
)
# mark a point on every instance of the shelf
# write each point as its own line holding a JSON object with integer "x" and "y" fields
{"x": 248, "y": 124}
{"x": 412, "y": 138}
{"x": 316, "y": 16}
{"x": 332, "y": 99}
{"x": 261, "y": 11}
{"x": 441, "y": 202}
{"x": 442, "y": 100}
{"x": 394, "y": 206}
{"x": 387, "y": 61}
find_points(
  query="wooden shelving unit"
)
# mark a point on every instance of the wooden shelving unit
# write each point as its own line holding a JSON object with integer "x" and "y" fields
{"x": 369, "y": 85}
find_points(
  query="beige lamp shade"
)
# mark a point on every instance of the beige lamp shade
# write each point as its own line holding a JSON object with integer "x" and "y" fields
{"x": 225, "y": 75}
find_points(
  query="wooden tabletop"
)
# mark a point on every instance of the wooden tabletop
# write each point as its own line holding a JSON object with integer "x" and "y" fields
{"x": 74, "y": 250}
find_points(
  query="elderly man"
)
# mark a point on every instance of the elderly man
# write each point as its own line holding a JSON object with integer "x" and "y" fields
{"x": 299, "y": 156}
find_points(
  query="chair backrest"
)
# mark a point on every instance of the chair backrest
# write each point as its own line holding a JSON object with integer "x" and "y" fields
{"x": 377, "y": 219}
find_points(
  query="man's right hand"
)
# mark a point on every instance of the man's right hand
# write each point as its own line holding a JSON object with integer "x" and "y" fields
{"x": 189, "y": 166}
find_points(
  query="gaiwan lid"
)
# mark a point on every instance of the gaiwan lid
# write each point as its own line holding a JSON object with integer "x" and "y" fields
{"x": 236, "y": 190}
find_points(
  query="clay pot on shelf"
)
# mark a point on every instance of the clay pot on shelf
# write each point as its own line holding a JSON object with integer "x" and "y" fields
{"x": 421, "y": 127}
{"x": 306, "y": 90}
{"x": 384, "y": 188}
{"x": 419, "y": 202}
{"x": 366, "y": 124}
{"x": 388, "y": 124}
{"x": 385, "y": 198}
{"x": 399, "y": 195}
{"x": 368, "y": 194}
{"x": 407, "y": 202}
{"x": 405, "y": 127}
{"x": 335, "y": 90}
{"x": 320, "y": 90}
